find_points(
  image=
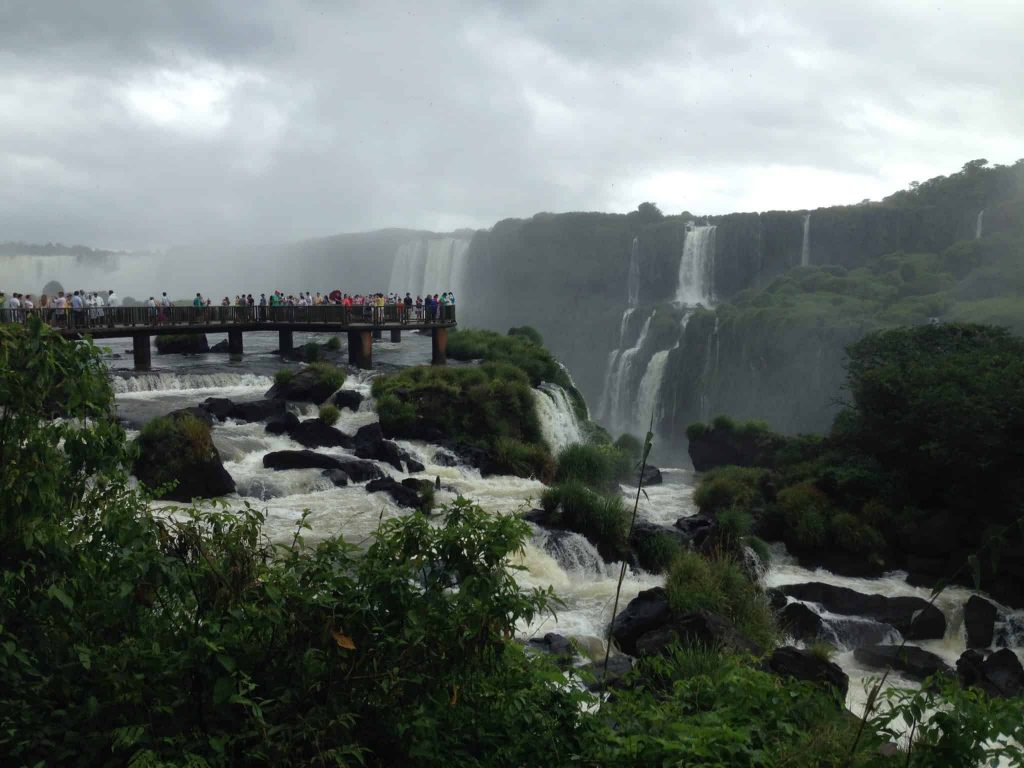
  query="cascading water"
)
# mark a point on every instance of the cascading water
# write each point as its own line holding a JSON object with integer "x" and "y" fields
{"x": 697, "y": 267}
{"x": 558, "y": 420}
{"x": 805, "y": 246}
{"x": 619, "y": 409}
{"x": 432, "y": 264}
{"x": 649, "y": 396}
{"x": 710, "y": 365}
{"x": 164, "y": 382}
{"x": 633, "y": 281}
{"x": 603, "y": 403}
{"x": 978, "y": 224}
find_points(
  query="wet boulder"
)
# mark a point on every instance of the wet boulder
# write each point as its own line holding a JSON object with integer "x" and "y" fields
{"x": 646, "y": 612}
{"x": 301, "y": 460}
{"x": 256, "y": 410}
{"x": 402, "y": 496}
{"x": 801, "y": 664}
{"x": 221, "y": 346}
{"x": 348, "y": 398}
{"x": 701, "y": 629}
{"x": 445, "y": 459}
{"x": 310, "y": 385}
{"x": 914, "y": 617}
{"x": 650, "y": 476}
{"x": 313, "y": 433}
{"x": 218, "y": 407}
{"x": 181, "y": 344}
{"x": 619, "y": 665}
{"x": 979, "y": 620}
{"x": 337, "y": 476}
{"x": 555, "y": 645}
{"x": 800, "y": 622}
{"x": 912, "y": 661}
{"x": 282, "y": 423}
{"x": 177, "y": 450}
{"x": 999, "y": 674}
{"x": 696, "y": 528}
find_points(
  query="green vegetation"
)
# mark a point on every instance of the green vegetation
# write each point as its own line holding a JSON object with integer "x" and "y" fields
{"x": 656, "y": 553}
{"x": 526, "y": 332}
{"x": 173, "y": 446}
{"x": 602, "y": 467}
{"x": 718, "y": 584}
{"x": 489, "y": 406}
{"x": 329, "y": 414}
{"x": 522, "y": 350}
{"x": 191, "y": 639}
{"x": 333, "y": 344}
{"x": 283, "y": 376}
{"x": 725, "y": 487}
{"x": 603, "y": 519}
{"x": 327, "y": 374}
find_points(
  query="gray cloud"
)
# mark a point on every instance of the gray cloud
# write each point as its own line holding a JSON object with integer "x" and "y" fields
{"x": 153, "y": 123}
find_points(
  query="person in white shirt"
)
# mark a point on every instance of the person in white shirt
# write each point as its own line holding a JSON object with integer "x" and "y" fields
{"x": 77, "y": 307}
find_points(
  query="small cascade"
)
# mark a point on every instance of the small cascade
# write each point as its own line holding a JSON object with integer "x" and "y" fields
{"x": 633, "y": 281}
{"x": 432, "y": 264}
{"x": 649, "y": 396}
{"x": 573, "y": 552}
{"x": 183, "y": 381}
{"x": 558, "y": 420}
{"x": 697, "y": 266}
{"x": 978, "y": 224}
{"x": 603, "y": 404}
{"x": 710, "y": 365}
{"x": 805, "y": 246}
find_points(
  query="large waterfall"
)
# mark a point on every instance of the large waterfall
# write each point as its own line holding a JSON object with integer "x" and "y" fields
{"x": 978, "y": 224}
{"x": 433, "y": 264}
{"x": 805, "y": 246}
{"x": 697, "y": 266}
{"x": 558, "y": 420}
{"x": 617, "y": 400}
{"x": 633, "y": 281}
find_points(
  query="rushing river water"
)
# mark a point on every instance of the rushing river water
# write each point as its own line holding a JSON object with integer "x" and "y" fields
{"x": 566, "y": 562}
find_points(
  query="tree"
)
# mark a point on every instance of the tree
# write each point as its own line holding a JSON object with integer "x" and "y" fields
{"x": 649, "y": 212}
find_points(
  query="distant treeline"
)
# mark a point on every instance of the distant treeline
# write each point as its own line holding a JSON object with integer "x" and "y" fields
{"x": 53, "y": 249}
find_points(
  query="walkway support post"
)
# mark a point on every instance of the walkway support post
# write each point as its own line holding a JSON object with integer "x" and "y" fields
{"x": 360, "y": 349}
{"x": 396, "y": 336}
{"x": 235, "y": 342}
{"x": 142, "y": 352}
{"x": 285, "y": 343}
{"x": 378, "y": 334}
{"x": 439, "y": 346}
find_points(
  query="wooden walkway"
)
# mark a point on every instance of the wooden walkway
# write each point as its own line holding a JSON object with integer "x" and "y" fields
{"x": 362, "y": 324}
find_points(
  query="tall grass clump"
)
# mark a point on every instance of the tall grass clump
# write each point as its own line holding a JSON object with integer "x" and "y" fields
{"x": 283, "y": 376}
{"x": 602, "y": 519}
{"x": 329, "y": 414}
{"x": 333, "y": 344}
{"x": 327, "y": 373}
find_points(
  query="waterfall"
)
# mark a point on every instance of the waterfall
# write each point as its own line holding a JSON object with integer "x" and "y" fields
{"x": 618, "y": 408}
{"x": 633, "y": 282}
{"x": 613, "y": 357}
{"x": 183, "y": 381}
{"x": 805, "y": 246}
{"x": 649, "y": 396}
{"x": 434, "y": 264}
{"x": 574, "y": 553}
{"x": 558, "y": 420}
{"x": 697, "y": 266}
{"x": 712, "y": 351}
{"x": 978, "y": 224}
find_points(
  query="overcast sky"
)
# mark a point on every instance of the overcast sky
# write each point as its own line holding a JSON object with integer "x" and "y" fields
{"x": 144, "y": 124}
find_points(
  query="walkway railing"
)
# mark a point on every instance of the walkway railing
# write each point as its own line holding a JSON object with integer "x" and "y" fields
{"x": 183, "y": 317}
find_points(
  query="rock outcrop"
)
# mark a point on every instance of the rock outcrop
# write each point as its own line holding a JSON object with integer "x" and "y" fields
{"x": 716, "y": 446}
{"x": 313, "y": 433}
{"x": 801, "y": 664}
{"x": 348, "y": 398}
{"x": 182, "y": 344}
{"x": 914, "y": 617}
{"x": 181, "y": 452}
{"x": 999, "y": 674}
{"x": 308, "y": 386}
{"x": 646, "y": 612}
{"x": 979, "y": 620}
{"x": 914, "y": 662}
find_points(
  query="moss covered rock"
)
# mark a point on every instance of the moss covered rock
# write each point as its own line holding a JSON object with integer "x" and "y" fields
{"x": 178, "y": 460}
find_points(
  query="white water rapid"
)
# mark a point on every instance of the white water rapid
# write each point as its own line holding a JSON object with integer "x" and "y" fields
{"x": 433, "y": 264}
{"x": 558, "y": 420}
{"x": 697, "y": 266}
{"x": 978, "y": 224}
{"x": 805, "y": 245}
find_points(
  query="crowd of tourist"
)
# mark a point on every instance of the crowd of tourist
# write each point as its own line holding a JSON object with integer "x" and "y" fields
{"x": 82, "y": 309}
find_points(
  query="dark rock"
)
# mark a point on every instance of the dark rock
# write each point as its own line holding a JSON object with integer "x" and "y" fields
{"x": 301, "y": 460}
{"x": 980, "y": 620}
{"x": 776, "y": 599}
{"x": 445, "y": 459}
{"x": 717, "y": 447}
{"x": 369, "y": 435}
{"x": 385, "y": 451}
{"x": 701, "y": 629}
{"x": 804, "y": 665}
{"x": 696, "y": 528}
{"x": 898, "y": 612}
{"x": 651, "y": 476}
{"x": 915, "y": 662}
{"x": 643, "y": 532}
{"x": 360, "y": 471}
{"x": 618, "y": 666}
{"x": 219, "y": 407}
{"x": 313, "y": 433}
{"x": 555, "y": 645}
{"x": 420, "y": 486}
{"x": 411, "y": 465}
{"x": 221, "y": 346}
{"x": 283, "y": 422}
{"x": 403, "y": 497}
{"x": 800, "y": 622}
{"x": 538, "y": 517}
{"x": 305, "y": 386}
{"x": 647, "y": 611}
{"x": 336, "y": 476}
{"x": 194, "y": 467}
{"x": 999, "y": 674}
{"x": 348, "y": 398}
{"x": 182, "y": 344}
{"x": 256, "y": 410}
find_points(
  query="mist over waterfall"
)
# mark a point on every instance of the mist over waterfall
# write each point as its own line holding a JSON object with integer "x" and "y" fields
{"x": 559, "y": 422}
{"x": 433, "y": 264}
{"x": 633, "y": 281}
{"x": 805, "y": 246}
{"x": 978, "y": 224}
{"x": 697, "y": 266}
